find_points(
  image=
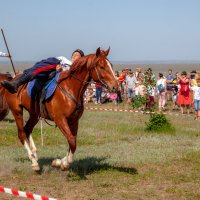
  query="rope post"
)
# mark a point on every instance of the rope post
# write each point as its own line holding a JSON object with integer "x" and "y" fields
{"x": 41, "y": 131}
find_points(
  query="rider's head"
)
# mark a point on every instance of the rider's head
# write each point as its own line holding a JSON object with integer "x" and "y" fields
{"x": 77, "y": 54}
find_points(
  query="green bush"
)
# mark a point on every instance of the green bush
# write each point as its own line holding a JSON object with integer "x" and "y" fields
{"x": 159, "y": 123}
{"x": 138, "y": 101}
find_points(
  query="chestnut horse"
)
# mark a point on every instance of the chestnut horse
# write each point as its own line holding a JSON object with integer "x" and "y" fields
{"x": 65, "y": 107}
{"x": 3, "y": 104}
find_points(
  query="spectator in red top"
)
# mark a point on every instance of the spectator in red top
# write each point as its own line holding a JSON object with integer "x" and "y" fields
{"x": 184, "y": 96}
{"x": 122, "y": 76}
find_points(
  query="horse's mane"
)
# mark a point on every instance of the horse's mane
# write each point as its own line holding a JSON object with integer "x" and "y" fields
{"x": 78, "y": 66}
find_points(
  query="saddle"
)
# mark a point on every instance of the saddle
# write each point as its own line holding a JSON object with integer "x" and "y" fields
{"x": 37, "y": 89}
{"x": 41, "y": 91}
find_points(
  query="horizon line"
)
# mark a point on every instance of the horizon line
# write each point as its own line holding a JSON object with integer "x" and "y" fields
{"x": 172, "y": 61}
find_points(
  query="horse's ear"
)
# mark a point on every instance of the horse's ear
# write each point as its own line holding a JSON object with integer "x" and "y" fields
{"x": 98, "y": 51}
{"x": 107, "y": 51}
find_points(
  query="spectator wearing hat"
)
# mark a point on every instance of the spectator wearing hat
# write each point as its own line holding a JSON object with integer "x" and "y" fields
{"x": 184, "y": 95}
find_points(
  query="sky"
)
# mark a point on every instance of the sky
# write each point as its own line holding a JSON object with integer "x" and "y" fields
{"x": 135, "y": 30}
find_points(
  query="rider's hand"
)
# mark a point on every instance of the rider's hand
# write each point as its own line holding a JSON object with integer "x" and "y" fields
{"x": 59, "y": 68}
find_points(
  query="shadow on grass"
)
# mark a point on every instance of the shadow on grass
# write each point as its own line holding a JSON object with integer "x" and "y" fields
{"x": 9, "y": 120}
{"x": 82, "y": 167}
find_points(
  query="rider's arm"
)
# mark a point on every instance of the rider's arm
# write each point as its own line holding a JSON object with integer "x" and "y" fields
{"x": 64, "y": 62}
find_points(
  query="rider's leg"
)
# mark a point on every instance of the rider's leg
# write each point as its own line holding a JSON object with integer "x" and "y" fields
{"x": 12, "y": 86}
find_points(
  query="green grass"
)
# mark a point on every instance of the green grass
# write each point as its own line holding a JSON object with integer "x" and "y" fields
{"x": 115, "y": 159}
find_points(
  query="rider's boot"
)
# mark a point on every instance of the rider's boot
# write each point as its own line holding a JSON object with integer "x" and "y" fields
{"x": 12, "y": 86}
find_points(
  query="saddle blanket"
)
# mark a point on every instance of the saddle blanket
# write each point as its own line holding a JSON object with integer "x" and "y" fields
{"x": 34, "y": 87}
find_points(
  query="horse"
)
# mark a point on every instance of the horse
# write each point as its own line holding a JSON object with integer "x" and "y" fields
{"x": 65, "y": 107}
{"x": 4, "y": 110}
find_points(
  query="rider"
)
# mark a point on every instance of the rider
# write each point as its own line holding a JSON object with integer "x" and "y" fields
{"x": 41, "y": 70}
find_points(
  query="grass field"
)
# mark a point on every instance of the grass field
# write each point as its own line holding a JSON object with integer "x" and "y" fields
{"x": 115, "y": 159}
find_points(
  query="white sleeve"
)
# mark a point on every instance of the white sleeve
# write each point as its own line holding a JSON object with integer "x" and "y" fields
{"x": 2, "y": 54}
{"x": 64, "y": 62}
{"x": 193, "y": 88}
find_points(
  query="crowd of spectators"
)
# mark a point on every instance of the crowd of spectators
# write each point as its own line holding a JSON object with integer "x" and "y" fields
{"x": 165, "y": 91}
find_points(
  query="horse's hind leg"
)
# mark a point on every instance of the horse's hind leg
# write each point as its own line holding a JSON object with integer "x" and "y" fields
{"x": 18, "y": 114}
{"x": 28, "y": 128}
{"x": 66, "y": 162}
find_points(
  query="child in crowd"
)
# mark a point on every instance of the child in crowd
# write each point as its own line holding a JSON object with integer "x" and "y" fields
{"x": 89, "y": 95}
{"x": 136, "y": 89}
{"x": 140, "y": 90}
{"x": 105, "y": 96}
{"x": 151, "y": 92}
{"x": 196, "y": 94}
{"x": 113, "y": 97}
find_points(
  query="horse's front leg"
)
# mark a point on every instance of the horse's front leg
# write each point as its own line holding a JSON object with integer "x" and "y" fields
{"x": 70, "y": 134}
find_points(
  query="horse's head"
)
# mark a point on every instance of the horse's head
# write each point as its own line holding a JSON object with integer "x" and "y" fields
{"x": 102, "y": 70}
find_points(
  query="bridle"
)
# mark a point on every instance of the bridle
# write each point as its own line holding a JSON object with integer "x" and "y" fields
{"x": 98, "y": 75}
{"x": 100, "y": 78}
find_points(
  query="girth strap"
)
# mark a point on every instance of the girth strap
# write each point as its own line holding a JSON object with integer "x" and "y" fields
{"x": 78, "y": 105}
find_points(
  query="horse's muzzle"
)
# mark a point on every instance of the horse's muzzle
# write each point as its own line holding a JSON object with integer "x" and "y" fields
{"x": 114, "y": 89}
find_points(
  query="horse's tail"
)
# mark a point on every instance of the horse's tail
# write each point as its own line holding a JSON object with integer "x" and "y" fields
{"x": 4, "y": 109}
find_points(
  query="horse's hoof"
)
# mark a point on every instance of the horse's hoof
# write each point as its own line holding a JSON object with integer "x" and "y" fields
{"x": 36, "y": 168}
{"x": 56, "y": 163}
{"x": 64, "y": 168}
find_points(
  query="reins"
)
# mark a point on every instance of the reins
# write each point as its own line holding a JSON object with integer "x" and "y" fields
{"x": 79, "y": 105}
{"x": 88, "y": 82}
{"x": 99, "y": 77}
{"x": 69, "y": 95}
